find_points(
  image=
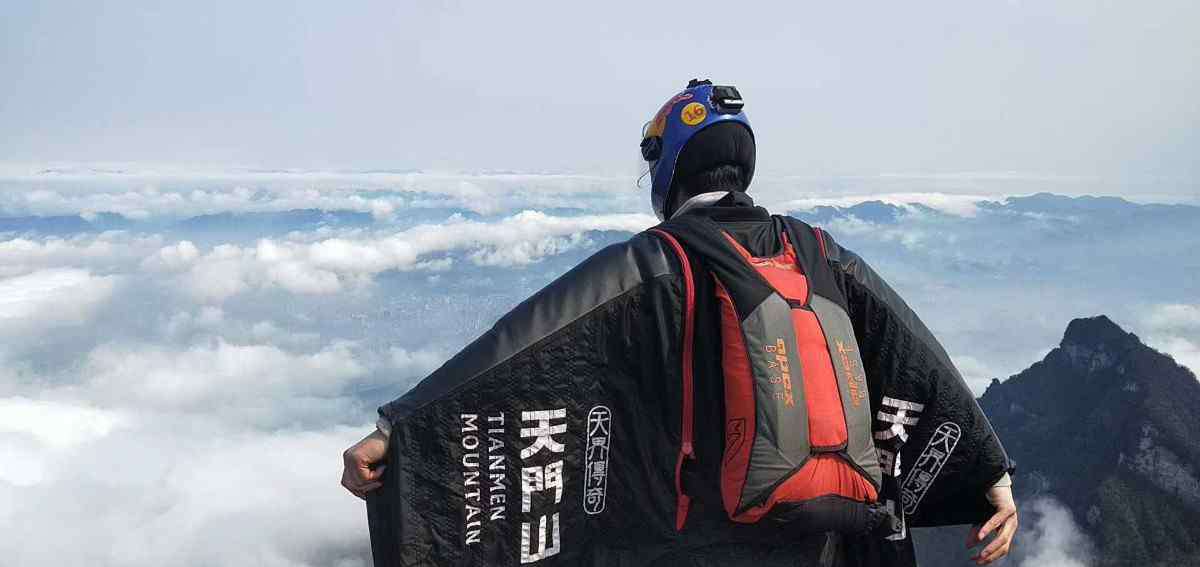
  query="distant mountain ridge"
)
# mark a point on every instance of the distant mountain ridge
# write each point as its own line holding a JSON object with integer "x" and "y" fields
{"x": 1106, "y": 208}
{"x": 1107, "y": 426}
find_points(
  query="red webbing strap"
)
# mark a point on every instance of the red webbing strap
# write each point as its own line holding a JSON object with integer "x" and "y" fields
{"x": 821, "y": 242}
{"x": 686, "y": 451}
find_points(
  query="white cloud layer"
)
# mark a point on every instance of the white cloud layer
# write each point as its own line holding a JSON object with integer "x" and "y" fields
{"x": 1174, "y": 328}
{"x": 331, "y": 265}
{"x": 416, "y": 363}
{"x": 211, "y": 454}
{"x": 219, "y": 374}
{"x": 170, "y": 494}
{"x": 143, "y": 192}
{"x": 1050, "y": 537}
{"x": 64, "y": 296}
{"x": 58, "y": 425}
{"x": 107, "y": 251}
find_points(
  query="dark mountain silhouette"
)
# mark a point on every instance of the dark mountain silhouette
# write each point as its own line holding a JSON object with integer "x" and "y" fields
{"x": 1107, "y": 427}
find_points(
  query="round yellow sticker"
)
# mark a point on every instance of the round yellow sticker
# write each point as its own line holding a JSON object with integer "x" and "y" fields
{"x": 693, "y": 114}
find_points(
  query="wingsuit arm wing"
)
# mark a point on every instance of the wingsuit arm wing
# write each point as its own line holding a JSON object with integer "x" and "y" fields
{"x": 603, "y": 277}
{"x": 933, "y": 438}
{"x": 577, "y": 386}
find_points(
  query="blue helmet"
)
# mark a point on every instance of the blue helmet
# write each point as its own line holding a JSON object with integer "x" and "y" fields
{"x": 697, "y": 107}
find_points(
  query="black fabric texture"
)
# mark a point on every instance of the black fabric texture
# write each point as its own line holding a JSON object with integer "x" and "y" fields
{"x": 607, "y": 274}
{"x": 701, "y": 237}
{"x": 609, "y": 333}
{"x": 842, "y": 515}
{"x": 616, "y": 355}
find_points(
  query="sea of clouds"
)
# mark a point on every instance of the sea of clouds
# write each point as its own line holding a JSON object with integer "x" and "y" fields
{"x": 184, "y": 355}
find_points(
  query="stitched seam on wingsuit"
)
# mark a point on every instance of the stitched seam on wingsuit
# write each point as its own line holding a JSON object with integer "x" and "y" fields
{"x": 821, "y": 241}
{"x": 539, "y": 342}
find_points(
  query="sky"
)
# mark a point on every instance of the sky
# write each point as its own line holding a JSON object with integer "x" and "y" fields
{"x": 1094, "y": 89}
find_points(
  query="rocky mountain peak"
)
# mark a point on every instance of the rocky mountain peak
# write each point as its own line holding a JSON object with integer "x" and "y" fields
{"x": 1095, "y": 332}
{"x": 1105, "y": 425}
{"x": 1094, "y": 343}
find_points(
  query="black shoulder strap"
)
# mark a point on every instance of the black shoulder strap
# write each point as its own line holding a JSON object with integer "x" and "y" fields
{"x": 703, "y": 237}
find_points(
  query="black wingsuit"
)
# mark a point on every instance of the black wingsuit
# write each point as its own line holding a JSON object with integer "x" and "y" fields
{"x": 555, "y": 437}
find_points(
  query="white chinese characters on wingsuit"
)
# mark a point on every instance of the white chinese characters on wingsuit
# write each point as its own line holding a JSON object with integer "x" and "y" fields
{"x": 892, "y": 420}
{"x": 595, "y": 471}
{"x": 538, "y": 476}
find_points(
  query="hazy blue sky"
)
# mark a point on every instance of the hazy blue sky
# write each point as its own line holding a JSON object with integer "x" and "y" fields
{"x": 1067, "y": 88}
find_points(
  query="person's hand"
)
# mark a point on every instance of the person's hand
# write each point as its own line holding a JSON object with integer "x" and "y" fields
{"x": 363, "y": 471}
{"x": 1003, "y": 522}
